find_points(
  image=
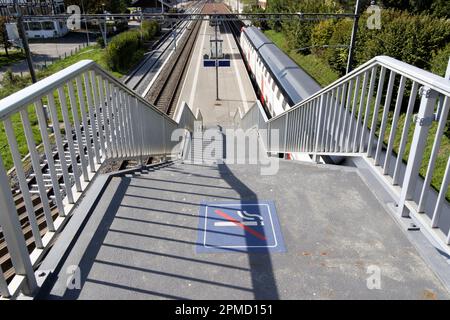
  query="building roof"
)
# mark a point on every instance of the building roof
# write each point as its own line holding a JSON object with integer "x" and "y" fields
{"x": 150, "y": 3}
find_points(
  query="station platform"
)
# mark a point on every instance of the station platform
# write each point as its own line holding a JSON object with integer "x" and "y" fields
{"x": 199, "y": 86}
{"x": 141, "y": 240}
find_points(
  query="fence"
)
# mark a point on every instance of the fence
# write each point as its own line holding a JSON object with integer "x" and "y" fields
{"x": 93, "y": 118}
{"x": 389, "y": 112}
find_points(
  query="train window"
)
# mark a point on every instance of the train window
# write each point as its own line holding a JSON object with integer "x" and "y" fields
{"x": 27, "y": 27}
{"x": 48, "y": 25}
{"x": 278, "y": 94}
{"x": 35, "y": 26}
{"x": 273, "y": 85}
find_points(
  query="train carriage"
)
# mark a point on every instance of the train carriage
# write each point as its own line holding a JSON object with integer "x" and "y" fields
{"x": 281, "y": 82}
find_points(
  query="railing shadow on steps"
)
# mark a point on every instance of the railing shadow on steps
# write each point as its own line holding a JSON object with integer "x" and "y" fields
{"x": 98, "y": 118}
{"x": 386, "y": 112}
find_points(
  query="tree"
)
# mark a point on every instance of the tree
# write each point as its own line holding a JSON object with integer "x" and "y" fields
{"x": 440, "y": 60}
{"x": 4, "y": 35}
{"x": 96, "y": 6}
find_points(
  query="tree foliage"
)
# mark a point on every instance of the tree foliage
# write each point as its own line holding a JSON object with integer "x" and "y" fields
{"x": 413, "y": 38}
{"x": 127, "y": 48}
{"x": 440, "y": 60}
{"x": 3, "y": 35}
{"x": 96, "y": 6}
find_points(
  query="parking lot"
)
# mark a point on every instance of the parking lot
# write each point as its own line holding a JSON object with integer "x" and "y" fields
{"x": 46, "y": 50}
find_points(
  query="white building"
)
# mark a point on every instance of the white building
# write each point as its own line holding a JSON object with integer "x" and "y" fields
{"x": 45, "y": 28}
{"x": 263, "y": 3}
{"x": 32, "y": 7}
{"x": 235, "y": 4}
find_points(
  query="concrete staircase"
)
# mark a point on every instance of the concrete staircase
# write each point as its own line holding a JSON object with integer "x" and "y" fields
{"x": 206, "y": 146}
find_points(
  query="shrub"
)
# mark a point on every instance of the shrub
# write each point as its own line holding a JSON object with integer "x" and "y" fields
{"x": 439, "y": 66}
{"x": 149, "y": 29}
{"x": 337, "y": 57}
{"x": 100, "y": 41}
{"x": 410, "y": 38}
{"x": 124, "y": 50}
{"x": 321, "y": 35}
{"x": 440, "y": 61}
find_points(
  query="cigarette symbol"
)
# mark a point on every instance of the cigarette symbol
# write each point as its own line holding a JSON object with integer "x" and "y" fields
{"x": 248, "y": 219}
{"x": 244, "y": 225}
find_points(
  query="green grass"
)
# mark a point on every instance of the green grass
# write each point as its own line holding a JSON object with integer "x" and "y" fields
{"x": 94, "y": 53}
{"x": 14, "y": 56}
{"x": 442, "y": 158}
{"x": 314, "y": 66}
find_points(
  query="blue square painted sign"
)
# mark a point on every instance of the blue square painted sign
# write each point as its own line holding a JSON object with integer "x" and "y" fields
{"x": 239, "y": 227}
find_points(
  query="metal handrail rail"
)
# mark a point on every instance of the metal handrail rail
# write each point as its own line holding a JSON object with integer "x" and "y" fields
{"x": 427, "y": 78}
{"x": 94, "y": 117}
{"x": 30, "y": 94}
{"x": 350, "y": 117}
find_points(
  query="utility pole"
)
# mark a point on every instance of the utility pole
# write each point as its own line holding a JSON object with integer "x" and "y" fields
{"x": 105, "y": 34}
{"x": 217, "y": 61}
{"x": 351, "y": 49}
{"x": 85, "y": 23}
{"x": 23, "y": 36}
{"x": 174, "y": 32}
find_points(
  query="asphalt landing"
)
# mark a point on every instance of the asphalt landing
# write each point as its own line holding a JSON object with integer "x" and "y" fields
{"x": 340, "y": 243}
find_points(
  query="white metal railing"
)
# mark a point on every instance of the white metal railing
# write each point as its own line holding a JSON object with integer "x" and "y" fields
{"x": 370, "y": 113}
{"x": 93, "y": 117}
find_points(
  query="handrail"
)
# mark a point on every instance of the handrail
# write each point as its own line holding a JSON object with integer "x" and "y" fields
{"x": 363, "y": 114}
{"x": 427, "y": 78}
{"x": 94, "y": 117}
{"x": 31, "y": 93}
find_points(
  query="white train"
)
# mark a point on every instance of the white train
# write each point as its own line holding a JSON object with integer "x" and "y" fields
{"x": 281, "y": 83}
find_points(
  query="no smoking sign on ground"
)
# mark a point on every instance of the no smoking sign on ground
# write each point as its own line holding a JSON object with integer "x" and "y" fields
{"x": 239, "y": 227}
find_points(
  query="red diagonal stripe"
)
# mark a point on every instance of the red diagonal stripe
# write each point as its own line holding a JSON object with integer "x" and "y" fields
{"x": 237, "y": 223}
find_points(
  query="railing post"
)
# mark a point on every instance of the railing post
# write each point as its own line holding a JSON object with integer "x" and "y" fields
{"x": 447, "y": 73}
{"x": 164, "y": 140}
{"x": 12, "y": 232}
{"x": 441, "y": 199}
{"x": 285, "y": 133}
{"x": 423, "y": 122}
{"x": 320, "y": 123}
{"x": 4, "y": 291}
{"x": 141, "y": 129}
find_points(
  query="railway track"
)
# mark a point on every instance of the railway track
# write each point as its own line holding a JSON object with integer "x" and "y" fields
{"x": 38, "y": 209}
{"x": 137, "y": 76}
{"x": 163, "y": 96}
{"x": 164, "y": 93}
{"x": 140, "y": 77}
